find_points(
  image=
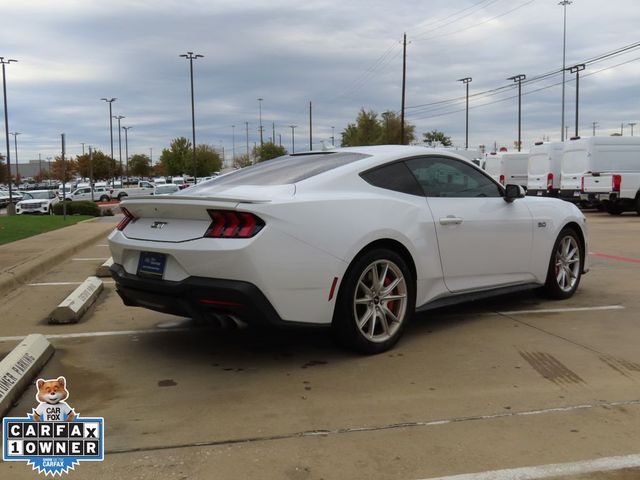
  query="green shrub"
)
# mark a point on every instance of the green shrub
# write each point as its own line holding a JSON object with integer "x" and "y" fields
{"x": 78, "y": 208}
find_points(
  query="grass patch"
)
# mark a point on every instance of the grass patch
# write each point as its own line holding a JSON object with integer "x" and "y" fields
{"x": 18, "y": 227}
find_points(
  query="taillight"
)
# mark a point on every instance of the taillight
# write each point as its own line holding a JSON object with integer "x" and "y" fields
{"x": 128, "y": 218}
{"x": 582, "y": 184}
{"x": 230, "y": 224}
{"x": 502, "y": 179}
{"x": 615, "y": 183}
{"x": 549, "y": 181}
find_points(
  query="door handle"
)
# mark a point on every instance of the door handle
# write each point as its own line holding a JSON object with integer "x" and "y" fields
{"x": 450, "y": 220}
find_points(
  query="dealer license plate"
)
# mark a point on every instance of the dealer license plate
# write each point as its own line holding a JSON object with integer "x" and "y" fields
{"x": 151, "y": 264}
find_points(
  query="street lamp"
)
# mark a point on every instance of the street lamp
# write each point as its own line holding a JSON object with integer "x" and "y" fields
{"x": 577, "y": 69}
{"x": 120, "y": 117}
{"x": 191, "y": 57}
{"x": 333, "y": 136}
{"x": 466, "y": 81}
{"x": 110, "y": 101}
{"x": 632, "y": 124}
{"x": 126, "y": 149}
{"x": 293, "y": 138}
{"x": 518, "y": 79}
{"x": 233, "y": 144}
{"x": 564, "y": 4}
{"x": 15, "y": 143}
{"x": 11, "y": 210}
{"x": 260, "y": 109}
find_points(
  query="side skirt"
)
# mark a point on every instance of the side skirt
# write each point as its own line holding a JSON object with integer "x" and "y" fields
{"x": 473, "y": 296}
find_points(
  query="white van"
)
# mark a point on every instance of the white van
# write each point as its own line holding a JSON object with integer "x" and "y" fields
{"x": 508, "y": 167}
{"x": 576, "y": 160}
{"x": 544, "y": 169}
{"x": 613, "y": 177}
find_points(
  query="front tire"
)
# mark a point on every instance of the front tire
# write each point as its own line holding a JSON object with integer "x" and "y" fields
{"x": 565, "y": 266}
{"x": 375, "y": 302}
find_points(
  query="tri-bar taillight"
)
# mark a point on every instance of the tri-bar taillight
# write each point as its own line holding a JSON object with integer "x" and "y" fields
{"x": 128, "y": 218}
{"x": 232, "y": 224}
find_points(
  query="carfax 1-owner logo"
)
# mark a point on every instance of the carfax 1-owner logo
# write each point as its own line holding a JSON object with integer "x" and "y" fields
{"x": 53, "y": 438}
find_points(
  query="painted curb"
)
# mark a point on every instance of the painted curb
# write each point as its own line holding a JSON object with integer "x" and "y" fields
{"x": 103, "y": 270}
{"x": 20, "y": 367}
{"x": 71, "y": 309}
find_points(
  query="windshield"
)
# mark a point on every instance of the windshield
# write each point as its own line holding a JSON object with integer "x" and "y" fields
{"x": 279, "y": 171}
{"x": 36, "y": 195}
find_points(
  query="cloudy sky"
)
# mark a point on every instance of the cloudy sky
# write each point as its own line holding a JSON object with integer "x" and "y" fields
{"x": 341, "y": 55}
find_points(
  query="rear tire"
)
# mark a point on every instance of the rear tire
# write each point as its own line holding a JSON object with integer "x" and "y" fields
{"x": 565, "y": 266}
{"x": 104, "y": 198}
{"x": 376, "y": 300}
{"x": 613, "y": 209}
{"x": 638, "y": 204}
{"x": 121, "y": 196}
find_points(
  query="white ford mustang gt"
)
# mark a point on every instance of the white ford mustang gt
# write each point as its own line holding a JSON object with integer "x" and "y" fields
{"x": 356, "y": 238}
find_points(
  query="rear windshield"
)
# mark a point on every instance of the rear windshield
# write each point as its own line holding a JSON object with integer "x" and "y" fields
{"x": 280, "y": 171}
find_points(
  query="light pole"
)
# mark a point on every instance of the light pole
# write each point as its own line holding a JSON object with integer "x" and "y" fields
{"x": 594, "y": 125}
{"x": 564, "y": 4}
{"x": 191, "y": 57}
{"x": 126, "y": 149}
{"x": 110, "y": 101}
{"x": 293, "y": 138}
{"x": 466, "y": 82}
{"x": 15, "y": 143}
{"x": 333, "y": 136}
{"x": 11, "y": 209}
{"x": 233, "y": 144}
{"x": 577, "y": 69}
{"x": 120, "y": 117}
{"x": 518, "y": 79}
{"x": 632, "y": 124}
{"x": 260, "y": 110}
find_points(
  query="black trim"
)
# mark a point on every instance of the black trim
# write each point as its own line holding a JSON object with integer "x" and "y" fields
{"x": 473, "y": 296}
{"x": 183, "y": 298}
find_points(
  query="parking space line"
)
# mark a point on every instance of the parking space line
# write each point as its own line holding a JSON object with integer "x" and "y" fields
{"x": 102, "y": 245}
{"x": 99, "y": 334}
{"x": 606, "y": 464}
{"x": 374, "y": 428}
{"x": 102, "y": 259}
{"x": 615, "y": 257}
{"x": 56, "y": 284}
{"x": 563, "y": 310}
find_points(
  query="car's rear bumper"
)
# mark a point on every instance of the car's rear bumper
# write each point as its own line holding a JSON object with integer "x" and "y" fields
{"x": 197, "y": 297}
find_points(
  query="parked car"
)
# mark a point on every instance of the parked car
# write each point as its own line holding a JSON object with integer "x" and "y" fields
{"x": 166, "y": 189}
{"x": 37, "y": 201}
{"x": 100, "y": 194}
{"x": 141, "y": 188}
{"x": 508, "y": 167}
{"x": 544, "y": 169}
{"x": 356, "y": 238}
{"x": 16, "y": 196}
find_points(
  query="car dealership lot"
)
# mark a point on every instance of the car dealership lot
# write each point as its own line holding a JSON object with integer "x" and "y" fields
{"x": 472, "y": 388}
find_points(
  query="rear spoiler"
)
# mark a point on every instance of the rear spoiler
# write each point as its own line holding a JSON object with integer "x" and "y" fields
{"x": 172, "y": 198}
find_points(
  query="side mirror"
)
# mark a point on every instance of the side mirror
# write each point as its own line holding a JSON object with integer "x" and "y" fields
{"x": 512, "y": 191}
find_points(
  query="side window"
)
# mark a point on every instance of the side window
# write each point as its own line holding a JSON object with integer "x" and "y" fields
{"x": 449, "y": 177}
{"x": 395, "y": 176}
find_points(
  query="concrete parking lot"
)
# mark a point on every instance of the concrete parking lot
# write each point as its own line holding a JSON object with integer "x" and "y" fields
{"x": 508, "y": 383}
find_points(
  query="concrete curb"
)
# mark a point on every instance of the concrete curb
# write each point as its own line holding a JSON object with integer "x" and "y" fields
{"x": 71, "y": 309}
{"x": 103, "y": 270}
{"x": 20, "y": 367}
{"x": 54, "y": 255}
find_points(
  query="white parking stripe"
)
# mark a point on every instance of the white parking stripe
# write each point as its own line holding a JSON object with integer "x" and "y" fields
{"x": 99, "y": 334}
{"x": 56, "y": 284}
{"x": 553, "y": 470}
{"x": 102, "y": 245}
{"x": 102, "y": 259}
{"x": 563, "y": 310}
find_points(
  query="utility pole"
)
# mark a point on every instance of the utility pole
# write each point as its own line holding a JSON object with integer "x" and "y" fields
{"x": 64, "y": 187}
{"x": 577, "y": 69}
{"x": 91, "y": 171}
{"x": 564, "y": 4}
{"x": 110, "y": 102}
{"x": 293, "y": 138}
{"x": 191, "y": 57}
{"x": 120, "y": 117}
{"x": 518, "y": 79}
{"x": 82, "y": 148}
{"x": 246, "y": 124}
{"x": 333, "y": 132}
{"x": 233, "y": 143}
{"x": 594, "y": 125}
{"x": 15, "y": 143}
{"x": 260, "y": 108}
{"x": 151, "y": 155}
{"x": 310, "y": 129}
{"x": 404, "y": 84}
{"x": 273, "y": 132}
{"x": 632, "y": 124}
{"x": 622, "y": 129}
{"x": 466, "y": 82}
{"x": 40, "y": 166}
{"x": 126, "y": 150}
{"x": 11, "y": 209}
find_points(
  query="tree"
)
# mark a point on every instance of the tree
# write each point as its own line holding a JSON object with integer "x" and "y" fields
{"x": 207, "y": 161}
{"x": 103, "y": 166}
{"x": 174, "y": 158}
{"x": 70, "y": 169}
{"x": 435, "y": 138}
{"x": 140, "y": 165}
{"x": 242, "y": 161}
{"x": 368, "y": 129}
{"x": 267, "y": 151}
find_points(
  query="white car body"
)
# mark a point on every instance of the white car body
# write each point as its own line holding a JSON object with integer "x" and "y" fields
{"x": 315, "y": 227}
{"x": 37, "y": 201}
{"x": 100, "y": 194}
